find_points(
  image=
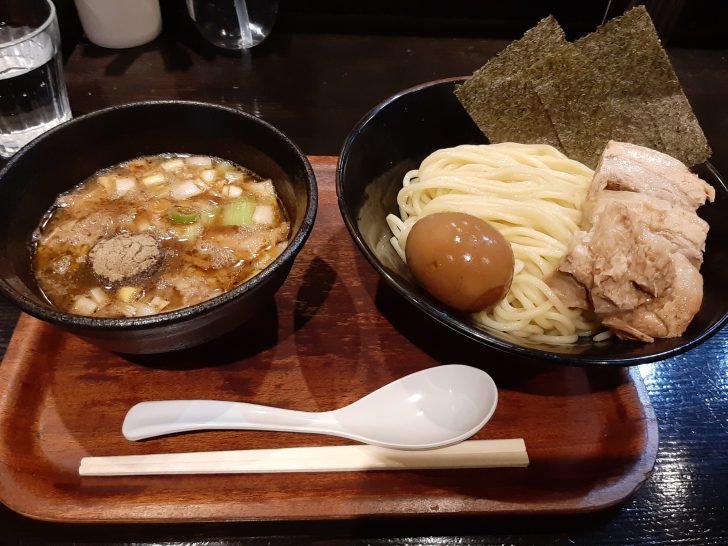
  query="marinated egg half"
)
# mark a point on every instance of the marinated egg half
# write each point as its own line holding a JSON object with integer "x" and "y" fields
{"x": 461, "y": 260}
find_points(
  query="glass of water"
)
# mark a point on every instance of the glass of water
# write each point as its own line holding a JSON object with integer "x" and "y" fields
{"x": 32, "y": 91}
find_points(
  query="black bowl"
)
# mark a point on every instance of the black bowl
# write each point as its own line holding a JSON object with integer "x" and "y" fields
{"x": 398, "y": 134}
{"x": 73, "y": 151}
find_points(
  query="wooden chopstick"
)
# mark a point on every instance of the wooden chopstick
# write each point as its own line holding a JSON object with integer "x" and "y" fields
{"x": 470, "y": 454}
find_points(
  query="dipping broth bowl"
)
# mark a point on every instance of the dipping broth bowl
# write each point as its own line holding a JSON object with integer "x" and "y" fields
{"x": 67, "y": 155}
{"x": 397, "y": 135}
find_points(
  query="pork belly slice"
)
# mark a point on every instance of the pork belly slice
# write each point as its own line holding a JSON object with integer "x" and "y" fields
{"x": 620, "y": 262}
{"x": 632, "y": 168}
{"x": 684, "y": 230}
{"x": 668, "y": 315}
{"x": 571, "y": 292}
{"x": 632, "y": 257}
{"x": 641, "y": 243}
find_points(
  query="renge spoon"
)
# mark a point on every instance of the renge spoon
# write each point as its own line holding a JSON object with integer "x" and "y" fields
{"x": 431, "y": 408}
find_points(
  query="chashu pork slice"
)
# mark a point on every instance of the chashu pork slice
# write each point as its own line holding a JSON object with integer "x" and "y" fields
{"x": 665, "y": 316}
{"x": 684, "y": 230}
{"x": 641, "y": 244}
{"x": 635, "y": 256}
{"x": 632, "y": 168}
{"x": 620, "y": 262}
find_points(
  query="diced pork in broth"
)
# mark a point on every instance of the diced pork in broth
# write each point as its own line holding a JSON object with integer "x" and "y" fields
{"x": 641, "y": 244}
{"x": 157, "y": 233}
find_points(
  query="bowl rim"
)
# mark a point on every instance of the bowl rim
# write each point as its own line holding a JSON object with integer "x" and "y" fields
{"x": 184, "y": 313}
{"x": 453, "y": 322}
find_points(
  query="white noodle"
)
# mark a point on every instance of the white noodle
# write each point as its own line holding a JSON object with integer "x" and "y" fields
{"x": 533, "y": 195}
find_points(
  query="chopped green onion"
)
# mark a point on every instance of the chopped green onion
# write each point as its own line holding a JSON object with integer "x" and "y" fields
{"x": 186, "y": 188}
{"x": 173, "y": 164}
{"x": 154, "y": 180}
{"x": 234, "y": 176}
{"x": 238, "y": 213}
{"x": 158, "y": 303}
{"x": 98, "y": 295}
{"x": 84, "y": 306}
{"x": 208, "y": 175}
{"x": 232, "y": 191}
{"x": 264, "y": 214}
{"x": 108, "y": 183}
{"x": 188, "y": 233}
{"x": 199, "y": 161}
{"x": 128, "y": 293}
{"x": 183, "y": 215}
{"x": 124, "y": 185}
{"x": 208, "y": 213}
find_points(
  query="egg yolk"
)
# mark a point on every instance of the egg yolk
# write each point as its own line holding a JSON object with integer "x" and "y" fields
{"x": 461, "y": 260}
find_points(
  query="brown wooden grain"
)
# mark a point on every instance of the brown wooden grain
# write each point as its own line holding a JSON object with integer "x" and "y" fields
{"x": 333, "y": 333}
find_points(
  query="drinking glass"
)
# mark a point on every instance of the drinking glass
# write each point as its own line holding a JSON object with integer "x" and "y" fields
{"x": 233, "y": 24}
{"x": 32, "y": 91}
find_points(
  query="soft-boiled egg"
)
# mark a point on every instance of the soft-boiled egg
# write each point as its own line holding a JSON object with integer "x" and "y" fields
{"x": 461, "y": 260}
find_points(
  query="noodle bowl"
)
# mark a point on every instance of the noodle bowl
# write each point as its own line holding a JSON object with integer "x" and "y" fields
{"x": 533, "y": 195}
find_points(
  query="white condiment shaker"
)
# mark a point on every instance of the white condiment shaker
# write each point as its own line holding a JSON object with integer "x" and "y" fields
{"x": 120, "y": 23}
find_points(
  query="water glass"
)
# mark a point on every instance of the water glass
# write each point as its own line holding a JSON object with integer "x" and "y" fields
{"x": 233, "y": 24}
{"x": 32, "y": 91}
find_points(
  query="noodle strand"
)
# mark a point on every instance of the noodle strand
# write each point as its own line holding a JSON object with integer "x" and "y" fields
{"x": 533, "y": 195}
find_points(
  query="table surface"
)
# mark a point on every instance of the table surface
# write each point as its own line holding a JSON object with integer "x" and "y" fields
{"x": 315, "y": 86}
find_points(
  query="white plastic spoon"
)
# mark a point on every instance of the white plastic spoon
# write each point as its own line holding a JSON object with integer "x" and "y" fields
{"x": 431, "y": 408}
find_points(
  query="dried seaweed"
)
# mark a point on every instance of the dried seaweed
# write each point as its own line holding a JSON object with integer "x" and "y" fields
{"x": 616, "y": 83}
{"x": 523, "y": 117}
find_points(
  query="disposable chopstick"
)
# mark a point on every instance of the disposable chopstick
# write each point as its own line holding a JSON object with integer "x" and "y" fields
{"x": 470, "y": 454}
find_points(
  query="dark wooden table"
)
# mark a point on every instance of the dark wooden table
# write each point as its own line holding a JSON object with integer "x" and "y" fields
{"x": 315, "y": 86}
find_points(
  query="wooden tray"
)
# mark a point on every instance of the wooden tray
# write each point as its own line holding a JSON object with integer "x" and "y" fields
{"x": 333, "y": 333}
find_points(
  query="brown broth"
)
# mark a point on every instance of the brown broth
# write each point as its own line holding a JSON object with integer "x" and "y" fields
{"x": 155, "y": 234}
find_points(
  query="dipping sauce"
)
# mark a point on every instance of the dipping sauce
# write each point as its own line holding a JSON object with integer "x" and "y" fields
{"x": 460, "y": 259}
{"x": 156, "y": 234}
